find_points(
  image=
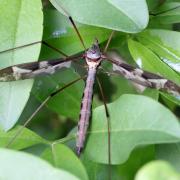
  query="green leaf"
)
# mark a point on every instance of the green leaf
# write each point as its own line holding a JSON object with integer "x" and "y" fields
{"x": 168, "y": 98}
{"x": 152, "y": 4}
{"x": 170, "y": 153}
{"x": 116, "y": 15}
{"x": 26, "y": 166}
{"x": 138, "y": 157}
{"x": 68, "y": 161}
{"x": 135, "y": 120}
{"x": 168, "y": 13}
{"x": 65, "y": 100}
{"x": 60, "y": 33}
{"x": 157, "y": 170}
{"x": 125, "y": 171}
{"x": 25, "y": 139}
{"x": 21, "y": 23}
{"x": 149, "y": 61}
{"x": 97, "y": 171}
{"x": 165, "y": 44}
{"x": 130, "y": 9}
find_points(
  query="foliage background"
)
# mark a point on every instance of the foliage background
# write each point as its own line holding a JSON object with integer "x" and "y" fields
{"x": 142, "y": 129}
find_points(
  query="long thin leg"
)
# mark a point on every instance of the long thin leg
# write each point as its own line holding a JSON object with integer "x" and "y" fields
{"x": 108, "y": 42}
{"x": 108, "y": 125}
{"x": 54, "y": 48}
{"x": 74, "y": 25}
{"x": 39, "y": 108}
{"x": 37, "y": 42}
{"x": 165, "y": 11}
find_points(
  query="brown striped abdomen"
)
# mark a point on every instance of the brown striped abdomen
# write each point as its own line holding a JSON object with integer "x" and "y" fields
{"x": 85, "y": 112}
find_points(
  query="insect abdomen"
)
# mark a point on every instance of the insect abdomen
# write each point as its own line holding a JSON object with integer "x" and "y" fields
{"x": 85, "y": 112}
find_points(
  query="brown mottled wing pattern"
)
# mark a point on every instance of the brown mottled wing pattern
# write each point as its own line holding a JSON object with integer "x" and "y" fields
{"x": 31, "y": 70}
{"x": 145, "y": 78}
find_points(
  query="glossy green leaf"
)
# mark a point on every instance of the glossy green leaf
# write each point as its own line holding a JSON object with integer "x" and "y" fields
{"x": 149, "y": 61}
{"x": 135, "y": 120}
{"x": 168, "y": 13}
{"x": 117, "y": 15}
{"x": 157, "y": 170}
{"x": 25, "y": 139}
{"x": 21, "y": 23}
{"x": 60, "y": 33}
{"x": 130, "y": 9}
{"x": 62, "y": 157}
{"x": 168, "y": 98}
{"x": 165, "y": 44}
{"x": 26, "y": 166}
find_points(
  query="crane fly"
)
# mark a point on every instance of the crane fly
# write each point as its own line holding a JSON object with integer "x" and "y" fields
{"x": 94, "y": 57}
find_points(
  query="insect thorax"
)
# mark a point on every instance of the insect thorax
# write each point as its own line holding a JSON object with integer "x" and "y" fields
{"x": 93, "y": 55}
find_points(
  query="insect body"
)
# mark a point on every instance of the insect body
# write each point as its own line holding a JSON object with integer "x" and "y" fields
{"x": 93, "y": 60}
{"x": 93, "y": 57}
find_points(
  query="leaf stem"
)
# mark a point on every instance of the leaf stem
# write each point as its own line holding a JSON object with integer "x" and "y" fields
{"x": 64, "y": 140}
